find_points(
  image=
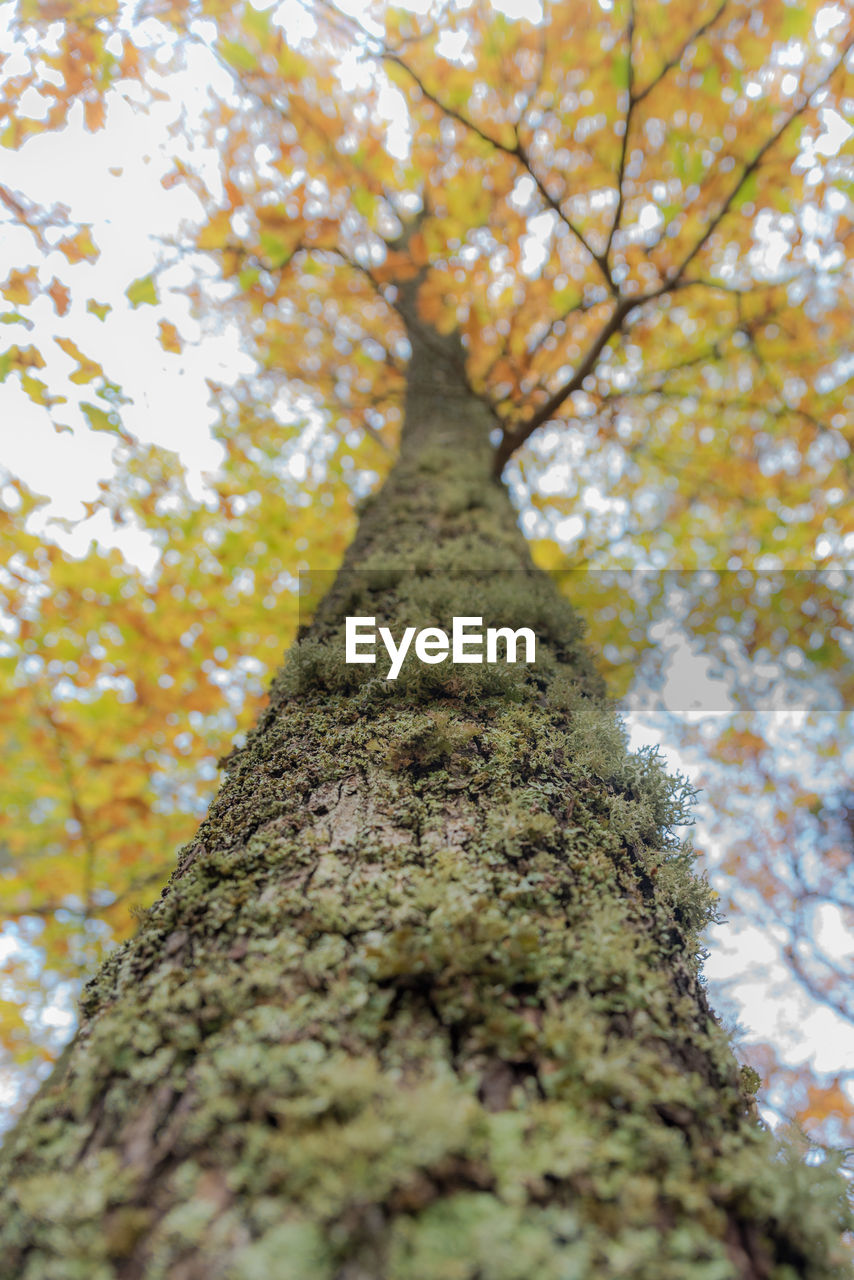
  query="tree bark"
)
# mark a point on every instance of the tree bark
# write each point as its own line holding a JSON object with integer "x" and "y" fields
{"x": 421, "y": 999}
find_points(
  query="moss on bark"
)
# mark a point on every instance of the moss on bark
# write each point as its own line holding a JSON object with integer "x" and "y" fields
{"x": 421, "y": 999}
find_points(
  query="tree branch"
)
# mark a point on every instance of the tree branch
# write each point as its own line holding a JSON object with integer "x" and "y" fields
{"x": 680, "y": 54}
{"x": 600, "y": 259}
{"x": 751, "y": 167}
{"x": 511, "y": 440}
{"x": 77, "y": 810}
{"x": 635, "y": 99}
{"x": 627, "y": 124}
{"x": 517, "y": 151}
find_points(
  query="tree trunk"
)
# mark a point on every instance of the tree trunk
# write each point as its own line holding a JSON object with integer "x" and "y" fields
{"x": 421, "y": 1000}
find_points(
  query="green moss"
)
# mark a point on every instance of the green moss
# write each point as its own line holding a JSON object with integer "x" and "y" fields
{"x": 288, "y": 1251}
{"x": 750, "y": 1081}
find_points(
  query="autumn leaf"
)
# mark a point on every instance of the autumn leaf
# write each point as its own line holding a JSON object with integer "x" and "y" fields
{"x": 100, "y": 419}
{"x": 38, "y": 392}
{"x": 79, "y": 247}
{"x": 16, "y": 358}
{"x": 142, "y": 292}
{"x": 60, "y": 295}
{"x": 99, "y": 309}
{"x": 94, "y": 113}
{"x": 87, "y": 369}
{"x": 20, "y": 286}
{"x": 169, "y": 337}
{"x": 215, "y": 232}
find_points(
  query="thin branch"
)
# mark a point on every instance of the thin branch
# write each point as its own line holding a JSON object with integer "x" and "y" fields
{"x": 538, "y": 83}
{"x": 680, "y": 54}
{"x": 580, "y": 309}
{"x": 516, "y": 437}
{"x": 77, "y": 811}
{"x": 779, "y": 412}
{"x": 635, "y": 99}
{"x": 736, "y": 291}
{"x": 627, "y": 125}
{"x": 389, "y": 55}
{"x": 554, "y": 204}
{"x": 814, "y": 988}
{"x": 687, "y": 469}
{"x": 751, "y": 167}
{"x": 374, "y": 434}
{"x": 248, "y": 84}
{"x": 45, "y": 910}
{"x": 518, "y": 151}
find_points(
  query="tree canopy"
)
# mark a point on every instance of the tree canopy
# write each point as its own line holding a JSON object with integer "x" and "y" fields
{"x": 636, "y": 214}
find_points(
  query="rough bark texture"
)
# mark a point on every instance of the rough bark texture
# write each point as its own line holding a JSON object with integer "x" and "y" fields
{"x": 421, "y": 1000}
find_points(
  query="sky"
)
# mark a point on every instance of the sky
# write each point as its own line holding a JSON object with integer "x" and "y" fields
{"x": 113, "y": 179}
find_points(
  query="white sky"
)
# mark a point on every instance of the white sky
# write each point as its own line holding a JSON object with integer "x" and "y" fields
{"x": 111, "y": 179}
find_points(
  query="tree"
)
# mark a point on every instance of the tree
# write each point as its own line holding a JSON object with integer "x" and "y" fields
{"x": 422, "y": 996}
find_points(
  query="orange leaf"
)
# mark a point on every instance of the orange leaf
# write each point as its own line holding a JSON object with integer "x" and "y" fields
{"x": 170, "y": 339}
{"x": 93, "y": 112}
{"x": 60, "y": 295}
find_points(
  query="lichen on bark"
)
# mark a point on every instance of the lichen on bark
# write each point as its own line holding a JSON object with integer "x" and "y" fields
{"x": 421, "y": 1000}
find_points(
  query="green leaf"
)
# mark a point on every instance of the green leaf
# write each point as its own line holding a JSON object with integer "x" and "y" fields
{"x": 143, "y": 290}
{"x": 248, "y": 277}
{"x": 99, "y": 419}
{"x": 37, "y": 390}
{"x": 275, "y": 249}
{"x": 215, "y": 233}
{"x": 620, "y": 72}
{"x": 797, "y": 22}
{"x": 259, "y": 22}
{"x": 746, "y": 192}
{"x": 364, "y": 202}
{"x": 712, "y": 78}
{"x": 237, "y": 55}
{"x": 99, "y": 309}
{"x": 565, "y": 300}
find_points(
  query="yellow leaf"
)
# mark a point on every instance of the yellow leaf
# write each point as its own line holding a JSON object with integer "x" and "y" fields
{"x": 215, "y": 233}
{"x": 20, "y": 286}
